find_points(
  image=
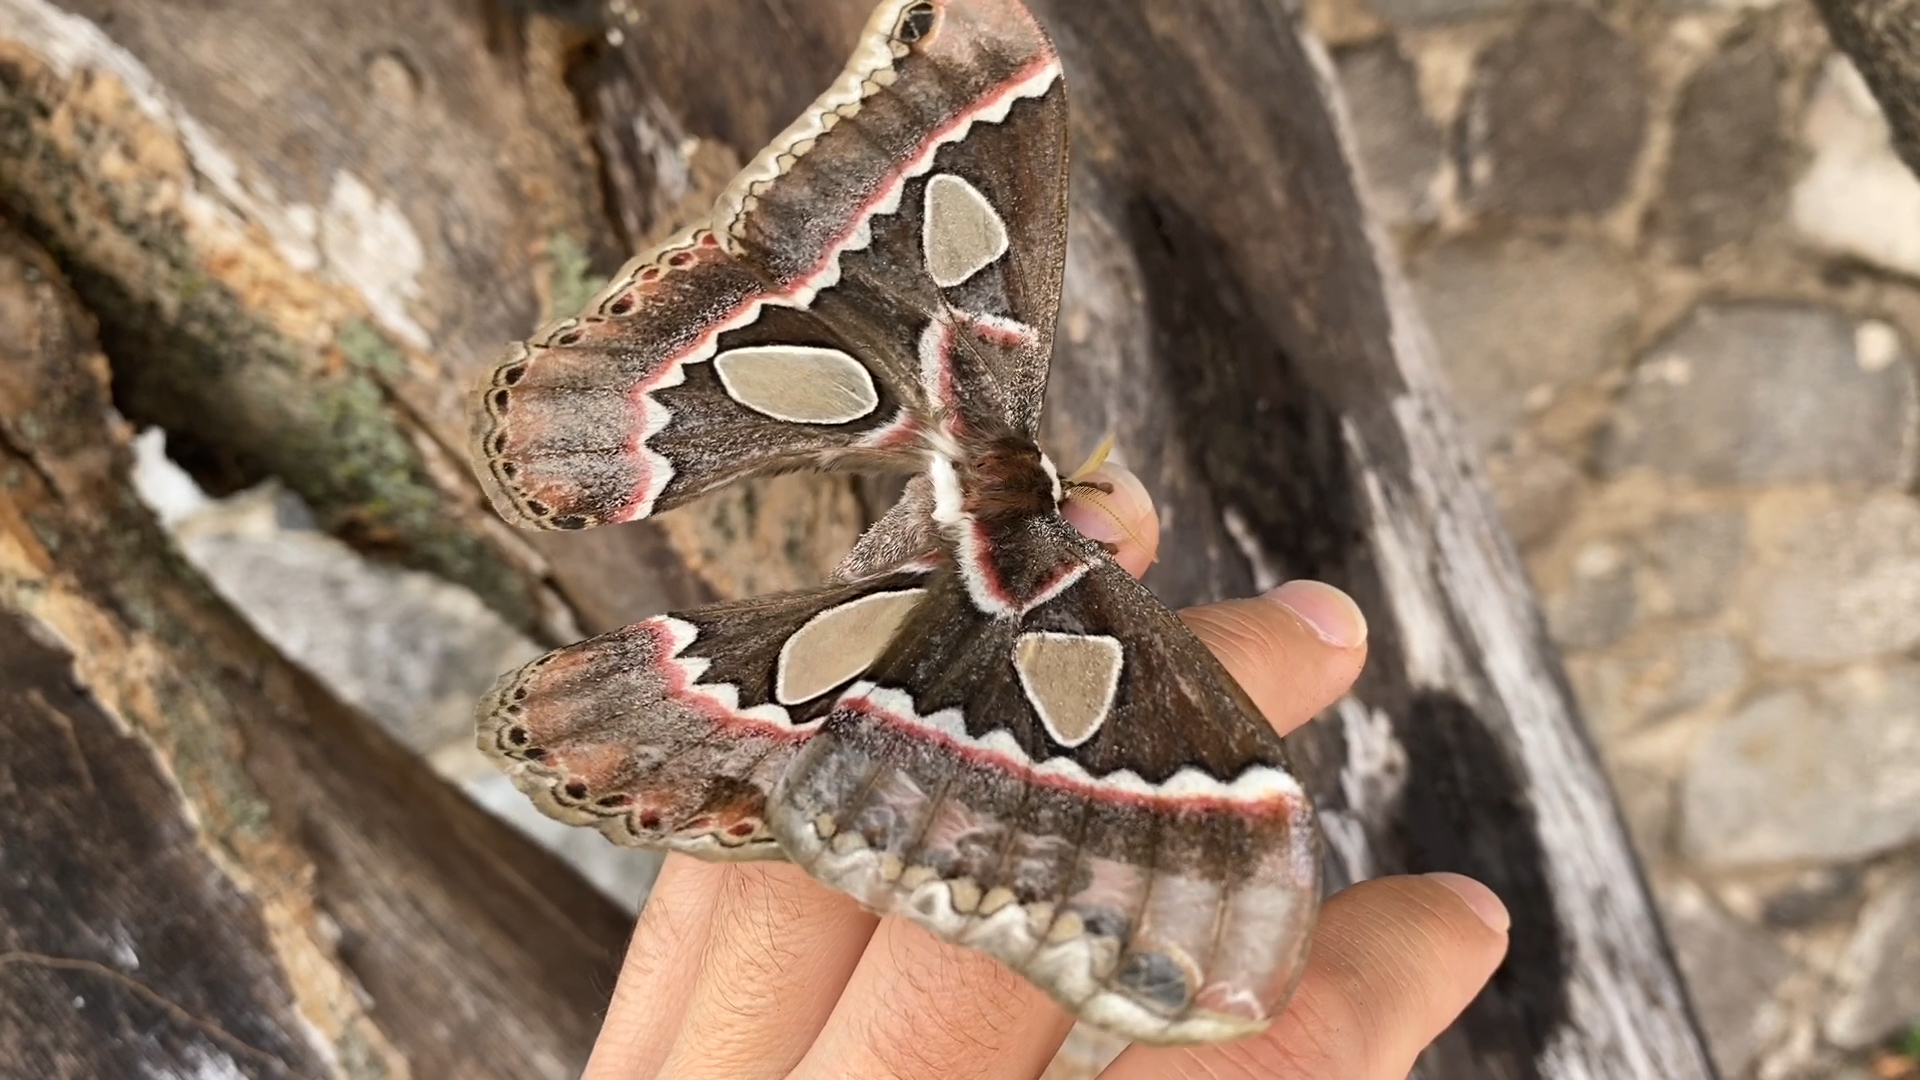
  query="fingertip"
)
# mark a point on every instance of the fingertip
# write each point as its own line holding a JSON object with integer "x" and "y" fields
{"x": 1480, "y": 900}
{"x": 1394, "y": 961}
{"x": 1331, "y": 614}
{"x": 1124, "y": 517}
{"x": 1294, "y": 650}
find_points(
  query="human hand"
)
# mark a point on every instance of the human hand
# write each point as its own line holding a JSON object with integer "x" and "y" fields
{"x": 755, "y": 971}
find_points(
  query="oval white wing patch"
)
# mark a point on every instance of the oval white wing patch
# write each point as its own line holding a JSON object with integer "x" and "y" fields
{"x": 839, "y": 643}
{"x": 802, "y": 384}
{"x": 1070, "y": 679}
{"x": 961, "y": 233}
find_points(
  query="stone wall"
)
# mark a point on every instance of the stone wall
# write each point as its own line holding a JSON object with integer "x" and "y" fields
{"x": 1673, "y": 267}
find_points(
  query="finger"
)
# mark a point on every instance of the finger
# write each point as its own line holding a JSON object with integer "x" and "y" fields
{"x": 641, "y": 1023}
{"x": 1393, "y": 962}
{"x": 1294, "y": 649}
{"x": 778, "y": 954}
{"x": 1123, "y": 517}
{"x": 920, "y": 1009}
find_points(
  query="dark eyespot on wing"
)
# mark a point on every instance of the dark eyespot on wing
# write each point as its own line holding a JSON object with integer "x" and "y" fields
{"x": 915, "y": 23}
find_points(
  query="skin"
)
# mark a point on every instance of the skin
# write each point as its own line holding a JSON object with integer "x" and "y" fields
{"x": 756, "y": 972}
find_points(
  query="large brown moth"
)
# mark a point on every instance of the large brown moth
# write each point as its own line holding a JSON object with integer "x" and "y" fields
{"x": 982, "y": 723}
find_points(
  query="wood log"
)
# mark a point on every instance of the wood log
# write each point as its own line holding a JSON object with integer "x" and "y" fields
{"x": 213, "y": 867}
{"x": 1231, "y": 314}
{"x": 306, "y": 228}
{"x": 1883, "y": 38}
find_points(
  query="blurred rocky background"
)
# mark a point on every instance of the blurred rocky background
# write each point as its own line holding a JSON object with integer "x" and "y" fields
{"x": 1672, "y": 265}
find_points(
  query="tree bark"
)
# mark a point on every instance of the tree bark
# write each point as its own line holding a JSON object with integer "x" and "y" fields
{"x": 1883, "y": 38}
{"x": 1231, "y": 315}
{"x": 307, "y": 228}
{"x": 212, "y": 864}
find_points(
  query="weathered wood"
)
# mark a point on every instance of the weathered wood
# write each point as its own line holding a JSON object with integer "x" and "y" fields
{"x": 213, "y": 865}
{"x": 307, "y": 227}
{"x": 1229, "y": 315}
{"x": 1883, "y": 38}
{"x": 1232, "y": 316}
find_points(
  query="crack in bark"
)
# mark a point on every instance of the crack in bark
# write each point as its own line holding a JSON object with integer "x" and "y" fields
{"x": 211, "y": 1029}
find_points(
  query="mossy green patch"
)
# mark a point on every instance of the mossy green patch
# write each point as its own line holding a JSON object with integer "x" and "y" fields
{"x": 572, "y": 281}
{"x": 366, "y": 349}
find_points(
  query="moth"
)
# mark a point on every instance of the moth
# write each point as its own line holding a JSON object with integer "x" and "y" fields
{"x": 981, "y": 722}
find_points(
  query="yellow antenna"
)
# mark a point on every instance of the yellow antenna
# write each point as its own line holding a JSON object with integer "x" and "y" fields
{"x": 1098, "y": 458}
{"x": 1078, "y": 487}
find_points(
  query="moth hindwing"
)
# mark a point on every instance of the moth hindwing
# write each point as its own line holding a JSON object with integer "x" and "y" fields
{"x": 982, "y": 723}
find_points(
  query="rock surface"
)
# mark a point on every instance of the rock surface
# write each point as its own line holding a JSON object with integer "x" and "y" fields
{"x": 1415, "y": 12}
{"x": 1598, "y": 607}
{"x": 1880, "y": 974}
{"x": 1554, "y": 119}
{"x": 1754, "y": 394}
{"x": 1732, "y": 972}
{"x": 1627, "y": 690}
{"x": 1828, "y": 773}
{"x": 1518, "y": 321}
{"x": 408, "y": 648}
{"x": 1400, "y": 146}
{"x": 1698, "y": 558}
{"x": 1848, "y": 587}
{"x": 412, "y": 650}
{"x": 1729, "y": 153}
{"x": 1856, "y": 197}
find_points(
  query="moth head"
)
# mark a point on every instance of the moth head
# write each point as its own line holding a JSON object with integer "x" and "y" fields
{"x": 917, "y": 23}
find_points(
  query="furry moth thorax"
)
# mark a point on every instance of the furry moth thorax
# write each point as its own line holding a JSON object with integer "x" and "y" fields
{"x": 982, "y": 723}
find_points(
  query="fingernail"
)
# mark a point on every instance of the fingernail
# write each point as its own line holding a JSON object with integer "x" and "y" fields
{"x": 1331, "y": 613}
{"x": 1478, "y": 897}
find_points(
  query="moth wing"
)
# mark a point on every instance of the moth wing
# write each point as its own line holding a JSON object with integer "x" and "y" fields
{"x": 1078, "y": 789}
{"x": 937, "y": 172}
{"x": 670, "y": 733}
{"x": 892, "y": 259}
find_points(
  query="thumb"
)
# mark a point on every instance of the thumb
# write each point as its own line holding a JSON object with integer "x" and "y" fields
{"x": 1122, "y": 516}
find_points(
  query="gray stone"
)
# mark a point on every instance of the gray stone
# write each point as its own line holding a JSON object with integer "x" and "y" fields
{"x": 1769, "y": 394}
{"x": 1519, "y": 320}
{"x": 1536, "y": 492}
{"x": 1879, "y": 976}
{"x": 1698, "y": 558}
{"x": 1419, "y": 12}
{"x": 1399, "y": 145}
{"x": 1646, "y": 797}
{"x": 1623, "y": 693}
{"x": 1554, "y": 117}
{"x": 1733, "y": 971}
{"x": 1825, "y": 774}
{"x": 408, "y": 648}
{"x": 1727, "y": 167}
{"x": 1813, "y": 896}
{"x": 1597, "y": 607}
{"x": 1856, "y": 196}
{"x": 1848, "y": 587}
